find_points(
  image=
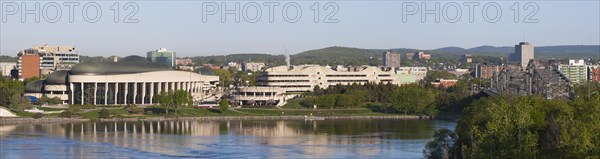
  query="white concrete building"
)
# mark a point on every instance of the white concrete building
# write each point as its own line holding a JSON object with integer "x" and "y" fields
{"x": 304, "y": 78}
{"x": 260, "y": 96}
{"x": 132, "y": 80}
{"x": 6, "y": 67}
{"x": 253, "y": 66}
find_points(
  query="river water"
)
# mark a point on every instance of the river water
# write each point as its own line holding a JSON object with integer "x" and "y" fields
{"x": 366, "y": 138}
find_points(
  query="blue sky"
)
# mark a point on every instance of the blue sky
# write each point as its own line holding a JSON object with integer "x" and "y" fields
{"x": 179, "y": 26}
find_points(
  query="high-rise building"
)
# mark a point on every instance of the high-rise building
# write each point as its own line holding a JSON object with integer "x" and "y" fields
{"x": 576, "y": 71}
{"x": 162, "y": 56}
{"x": 391, "y": 59}
{"x": 524, "y": 52}
{"x": 45, "y": 59}
{"x": 466, "y": 58}
{"x": 594, "y": 73}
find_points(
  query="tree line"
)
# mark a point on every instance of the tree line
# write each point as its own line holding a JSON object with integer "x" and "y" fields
{"x": 523, "y": 127}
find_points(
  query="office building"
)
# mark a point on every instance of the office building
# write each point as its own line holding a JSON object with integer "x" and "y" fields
{"x": 594, "y": 73}
{"x": 391, "y": 59}
{"x": 7, "y": 67}
{"x": 131, "y": 80}
{"x": 304, "y": 78}
{"x": 260, "y": 95}
{"x": 253, "y": 66}
{"x": 487, "y": 71}
{"x": 466, "y": 58}
{"x": 408, "y": 75}
{"x": 524, "y": 52}
{"x": 162, "y": 56}
{"x": 44, "y": 59}
{"x": 576, "y": 71}
{"x": 418, "y": 56}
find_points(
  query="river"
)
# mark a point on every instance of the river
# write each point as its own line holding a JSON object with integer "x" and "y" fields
{"x": 366, "y": 138}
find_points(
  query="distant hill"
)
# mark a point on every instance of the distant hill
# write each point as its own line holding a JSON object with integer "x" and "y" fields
{"x": 337, "y": 56}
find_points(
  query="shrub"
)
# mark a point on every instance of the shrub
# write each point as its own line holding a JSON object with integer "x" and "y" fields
{"x": 134, "y": 110}
{"x": 224, "y": 105}
{"x": 104, "y": 113}
{"x": 66, "y": 114}
{"x": 37, "y": 115}
{"x": 74, "y": 109}
{"x": 88, "y": 107}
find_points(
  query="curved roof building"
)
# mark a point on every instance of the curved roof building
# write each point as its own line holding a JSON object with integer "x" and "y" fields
{"x": 132, "y": 80}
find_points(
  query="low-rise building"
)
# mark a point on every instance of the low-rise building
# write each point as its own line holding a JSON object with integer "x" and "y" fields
{"x": 131, "y": 80}
{"x": 184, "y": 62}
{"x": 253, "y": 66}
{"x": 444, "y": 83}
{"x": 259, "y": 96}
{"x": 407, "y": 75}
{"x": 304, "y": 78}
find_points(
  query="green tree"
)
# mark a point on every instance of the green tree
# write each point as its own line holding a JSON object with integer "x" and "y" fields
{"x": 224, "y": 105}
{"x": 442, "y": 145}
{"x": 224, "y": 76}
{"x": 345, "y": 100}
{"x": 174, "y": 100}
{"x": 327, "y": 100}
{"x": 413, "y": 99}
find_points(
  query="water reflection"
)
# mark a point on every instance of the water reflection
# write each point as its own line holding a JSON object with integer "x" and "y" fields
{"x": 228, "y": 139}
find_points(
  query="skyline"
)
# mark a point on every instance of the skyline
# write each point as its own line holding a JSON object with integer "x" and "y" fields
{"x": 179, "y": 26}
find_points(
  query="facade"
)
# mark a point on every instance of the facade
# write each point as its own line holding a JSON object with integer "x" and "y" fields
{"x": 304, "y": 78}
{"x": 418, "y": 56}
{"x": 44, "y": 59}
{"x": 7, "y": 67}
{"x": 577, "y": 71}
{"x": 391, "y": 59}
{"x": 466, "y": 58}
{"x": 259, "y": 96}
{"x": 524, "y": 52}
{"x": 28, "y": 65}
{"x": 162, "y": 56}
{"x": 444, "y": 83}
{"x": 419, "y": 73}
{"x": 184, "y": 62}
{"x": 132, "y": 80}
{"x": 594, "y": 73}
{"x": 541, "y": 80}
{"x": 486, "y": 71}
{"x": 253, "y": 66}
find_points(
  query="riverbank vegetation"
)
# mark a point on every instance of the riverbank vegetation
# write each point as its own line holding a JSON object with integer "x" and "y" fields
{"x": 524, "y": 127}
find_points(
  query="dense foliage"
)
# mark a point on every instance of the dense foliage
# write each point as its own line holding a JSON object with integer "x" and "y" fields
{"x": 527, "y": 127}
{"x": 174, "y": 100}
{"x": 407, "y": 99}
{"x": 11, "y": 94}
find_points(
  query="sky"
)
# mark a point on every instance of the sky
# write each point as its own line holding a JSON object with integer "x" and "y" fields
{"x": 196, "y": 28}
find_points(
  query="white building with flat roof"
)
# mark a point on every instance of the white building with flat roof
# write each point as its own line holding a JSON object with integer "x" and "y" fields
{"x": 6, "y": 67}
{"x": 304, "y": 78}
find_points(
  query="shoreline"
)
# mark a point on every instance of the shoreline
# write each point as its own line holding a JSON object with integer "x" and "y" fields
{"x": 28, "y": 120}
